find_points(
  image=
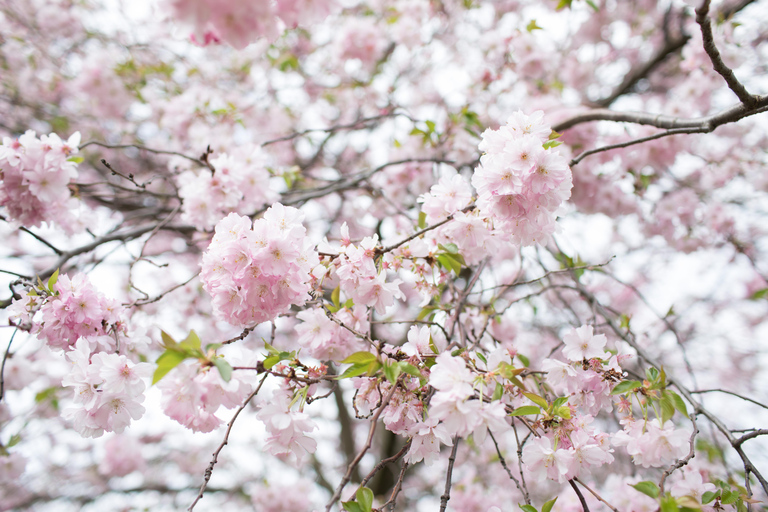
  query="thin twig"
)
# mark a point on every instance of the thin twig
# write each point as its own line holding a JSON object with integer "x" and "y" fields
{"x": 215, "y": 459}
{"x": 451, "y": 460}
{"x": 369, "y": 441}
{"x": 751, "y": 435}
{"x": 504, "y": 463}
{"x": 42, "y": 241}
{"x": 398, "y": 485}
{"x": 681, "y": 462}
{"x": 730, "y": 393}
{"x": 596, "y": 495}
{"x": 139, "y": 146}
{"x": 378, "y": 467}
{"x": 584, "y": 505}
{"x": 2, "y": 368}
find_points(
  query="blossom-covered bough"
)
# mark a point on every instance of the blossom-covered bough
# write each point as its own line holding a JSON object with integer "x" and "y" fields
{"x": 315, "y": 255}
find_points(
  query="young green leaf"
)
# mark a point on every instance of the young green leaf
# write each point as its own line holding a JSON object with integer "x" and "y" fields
{"x": 536, "y": 399}
{"x": 167, "y": 361}
{"x": 548, "y": 505}
{"x": 648, "y": 488}
{"x": 527, "y": 508}
{"x": 359, "y": 357}
{"x": 392, "y": 372}
{"x": 365, "y": 499}
{"x": 225, "y": 369}
{"x": 351, "y": 506}
{"x": 525, "y": 410}
{"x": 626, "y": 386}
{"x": 52, "y": 280}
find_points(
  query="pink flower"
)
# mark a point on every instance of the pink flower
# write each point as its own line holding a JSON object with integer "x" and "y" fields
{"x": 581, "y": 343}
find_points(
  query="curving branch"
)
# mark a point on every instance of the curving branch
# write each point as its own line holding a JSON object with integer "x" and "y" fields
{"x": 708, "y": 38}
{"x": 215, "y": 459}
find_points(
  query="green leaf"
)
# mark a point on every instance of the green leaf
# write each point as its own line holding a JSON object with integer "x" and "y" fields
{"x": 412, "y": 371}
{"x": 392, "y": 372}
{"x": 527, "y": 508}
{"x": 76, "y": 159}
{"x": 559, "y": 401}
{"x": 14, "y": 440}
{"x": 498, "y": 392}
{"x": 679, "y": 404}
{"x": 481, "y": 357}
{"x": 192, "y": 341}
{"x": 759, "y": 294}
{"x": 168, "y": 342}
{"x": 351, "y": 506}
{"x": 425, "y": 312}
{"x": 548, "y": 505}
{"x": 562, "y": 4}
{"x": 335, "y": 296}
{"x": 536, "y": 399}
{"x": 626, "y": 386}
{"x": 648, "y": 488}
{"x": 359, "y": 358}
{"x": 360, "y": 368}
{"x": 563, "y": 412}
{"x": 729, "y": 497}
{"x": 526, "y": 362}
{"x": 669, "y": 504}
{"x": 593, "y": 5}
{"x": 532, "y": 26}
{"x": 225, "y": 369}
{"x": 422, "y": 220}
{"x": 167, "y": 361}
{"x": 449, "y": 262}
{"x": 365, "y": 499}
{"x": 652, "y": 374}
{"x": 271, "y": 361}
{"x": 52, "y": 280}
{"x": 708, "y": 497}
{"x": 525, "y": 410}
{"x": 667, "y": 407}
{"x": 450, "y": 248}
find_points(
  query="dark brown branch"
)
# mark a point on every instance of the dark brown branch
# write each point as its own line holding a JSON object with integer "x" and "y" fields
{"x": 583, "y": 502}
{"x": 707, "y": 123}
{"x": 708, "y": 38}
{"x": 751, "y": 435}
{"x": 451, "y": 460}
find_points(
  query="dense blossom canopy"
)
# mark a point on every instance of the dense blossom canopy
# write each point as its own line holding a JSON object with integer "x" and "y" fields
{"x": 368, "y": 255}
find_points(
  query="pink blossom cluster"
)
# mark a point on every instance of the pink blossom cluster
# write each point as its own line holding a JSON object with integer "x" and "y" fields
{"x": 652, "y": 444}
{"x": 108, "y": 390}
{"x": 359, "y": 278}
{"x": 470, "y": 231}
{"x": 255, "y": 272}
{"x": 240, "y": 23}
{"x": 122, "y": 455}
{"x": 455, "y": 405}
{"x": 568, "y": 456}
{"x": 326, "y": 340}
{"x": 688, "y": 224}
{"x": 192, "y": 396}
{"x": 287, "y": 429}
{"x": 240, "y": 183}
{"x": 34, "y": 178}
{"x": 589, "y": 385}
{"x": 520, "y": 182}
{"x": 75, "y": 310}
